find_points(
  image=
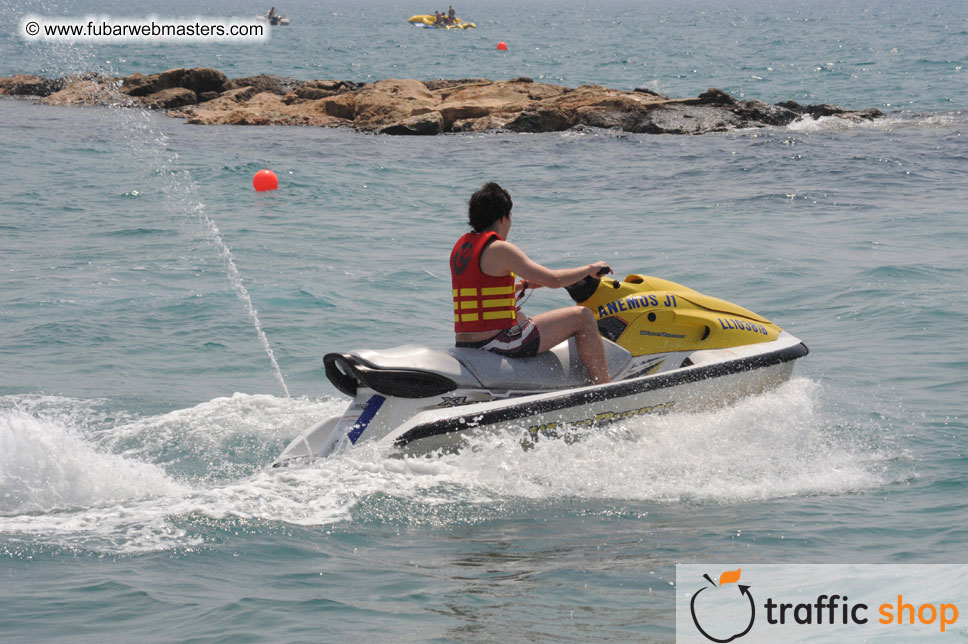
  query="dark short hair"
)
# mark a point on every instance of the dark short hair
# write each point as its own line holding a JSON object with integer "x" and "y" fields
{"x": 488, "y": 205}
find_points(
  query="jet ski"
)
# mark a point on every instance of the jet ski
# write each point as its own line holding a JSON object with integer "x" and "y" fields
{"x": 428, "y": 21}
{"x": 275, "y": 20}
{"x": 669, "y": 349}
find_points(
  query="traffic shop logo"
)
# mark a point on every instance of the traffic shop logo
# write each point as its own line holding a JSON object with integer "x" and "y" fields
{"x": 725, "y": 611}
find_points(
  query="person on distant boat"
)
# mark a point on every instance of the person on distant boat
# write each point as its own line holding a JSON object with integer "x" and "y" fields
{"x": 451, "y": 15}
{"x": 438, "y": 18}
{"x": 483, "y": 266}
{"x": 272, "y": 16}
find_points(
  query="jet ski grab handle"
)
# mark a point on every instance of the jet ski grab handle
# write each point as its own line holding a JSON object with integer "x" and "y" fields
{"x": 585, "y": 287}
{"x": 349, "y": 373}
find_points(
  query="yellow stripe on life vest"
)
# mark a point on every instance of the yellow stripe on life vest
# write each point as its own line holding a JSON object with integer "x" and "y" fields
{"x": 490, "y": 304}
{"x": 498, "y": 290}
{"x": 497, "y": 315}
{"x": 469, "y": 317}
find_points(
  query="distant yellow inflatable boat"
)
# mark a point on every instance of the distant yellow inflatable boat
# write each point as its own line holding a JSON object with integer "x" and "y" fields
{"x": 427, "y": 21}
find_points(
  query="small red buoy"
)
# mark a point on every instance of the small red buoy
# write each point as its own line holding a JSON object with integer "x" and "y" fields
{"x": 265, "y": 180}
{"x": 502, "y": 46}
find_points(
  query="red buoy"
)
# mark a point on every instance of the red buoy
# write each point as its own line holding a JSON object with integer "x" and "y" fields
{"x": 502, "y": 46}
{"x": 265, "y": 180}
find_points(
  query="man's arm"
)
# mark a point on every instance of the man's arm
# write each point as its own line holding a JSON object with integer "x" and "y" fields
{"x": 503, "y": 258}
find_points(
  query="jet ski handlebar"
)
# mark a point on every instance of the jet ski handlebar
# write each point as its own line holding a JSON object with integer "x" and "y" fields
{"x": 585, "y": 287}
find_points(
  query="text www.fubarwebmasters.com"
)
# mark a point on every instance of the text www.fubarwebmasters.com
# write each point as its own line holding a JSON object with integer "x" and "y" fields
{"x": 104, "y": 29}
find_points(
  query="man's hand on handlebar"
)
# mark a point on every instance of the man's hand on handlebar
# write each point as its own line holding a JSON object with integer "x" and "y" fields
{"x": 600, "y": 269}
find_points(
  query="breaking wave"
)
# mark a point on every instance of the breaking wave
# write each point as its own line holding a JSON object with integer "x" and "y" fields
{"x": 151, "y": 483}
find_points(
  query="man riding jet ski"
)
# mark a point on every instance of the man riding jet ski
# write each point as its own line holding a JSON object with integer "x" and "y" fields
{"x": 483, "y": 266}
{"x": 631, "y": 348}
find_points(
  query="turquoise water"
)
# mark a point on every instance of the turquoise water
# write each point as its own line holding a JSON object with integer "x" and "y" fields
{"x": 140, "y": 407}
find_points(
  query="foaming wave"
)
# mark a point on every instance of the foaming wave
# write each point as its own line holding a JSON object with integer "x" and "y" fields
{"x": 823, "y": 124}
{"x": 46, "y": 466}
{"x": 135, "y": 487}
{"x": 891, "y": 121}
{"x": 779, "y": 444}
{"x": 220, "y": 439}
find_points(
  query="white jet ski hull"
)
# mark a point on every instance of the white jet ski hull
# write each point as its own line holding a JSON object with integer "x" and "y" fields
{"x": 695, "y": 380}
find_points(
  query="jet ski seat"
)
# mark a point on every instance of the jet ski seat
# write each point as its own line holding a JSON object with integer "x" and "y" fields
{"x": 415, "y": 371}
{"x": 559, "y": 368}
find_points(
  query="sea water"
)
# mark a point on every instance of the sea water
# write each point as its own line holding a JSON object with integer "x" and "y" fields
{"x": 162, "y": 324}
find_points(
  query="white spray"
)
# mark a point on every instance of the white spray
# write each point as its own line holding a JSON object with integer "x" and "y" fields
{"x": 182, "y": 194}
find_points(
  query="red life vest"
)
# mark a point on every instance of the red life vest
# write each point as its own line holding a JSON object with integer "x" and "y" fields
{"x": 481, "y": 302}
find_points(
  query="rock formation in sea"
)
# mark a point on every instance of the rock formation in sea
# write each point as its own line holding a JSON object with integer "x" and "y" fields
{"x": 405, "y": 106}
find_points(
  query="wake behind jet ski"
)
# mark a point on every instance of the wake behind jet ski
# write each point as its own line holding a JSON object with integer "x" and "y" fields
{"x": 669, "y": 348}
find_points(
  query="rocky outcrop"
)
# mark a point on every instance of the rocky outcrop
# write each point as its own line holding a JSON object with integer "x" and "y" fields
{"x": 265, "y": 83}
{"x": 87, "y": 89}
{"x": 389, "y": 102}
{"x": 411, "y": 107}
{"x": 29, "y": 85}
{"x": 199, "y": 80}
{"x": 171, "y": 97}
{"x": 817, "y": 111}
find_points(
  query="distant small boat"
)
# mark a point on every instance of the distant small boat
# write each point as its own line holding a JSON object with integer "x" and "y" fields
{"x": 281, "y": 21}
{"x": 428, "y": 22}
